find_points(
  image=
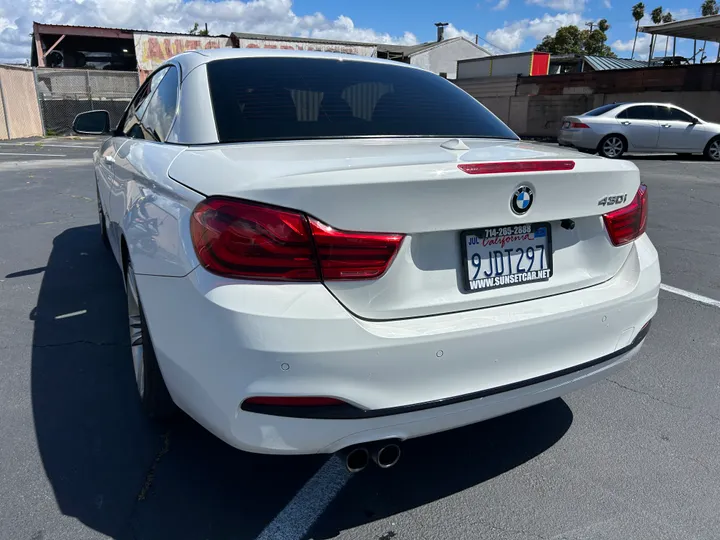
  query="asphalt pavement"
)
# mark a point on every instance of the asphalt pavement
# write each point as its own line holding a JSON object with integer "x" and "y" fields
{"x": 636, "y": 456}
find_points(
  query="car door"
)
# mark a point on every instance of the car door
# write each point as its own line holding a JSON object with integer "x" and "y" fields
{"x": 104, "y": 170}
{"x": 128, "y": 129}
{"x": 679, "y": 131}
{"x": 640, "y": 127}
{"x": 141, "y": 170}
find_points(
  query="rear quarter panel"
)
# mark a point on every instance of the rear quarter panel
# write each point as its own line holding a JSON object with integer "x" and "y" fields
{"x": 152, "y": 211}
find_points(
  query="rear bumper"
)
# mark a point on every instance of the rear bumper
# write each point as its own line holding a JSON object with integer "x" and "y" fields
{"x": 219, "y": 342}
{"x": 585, "y": 139}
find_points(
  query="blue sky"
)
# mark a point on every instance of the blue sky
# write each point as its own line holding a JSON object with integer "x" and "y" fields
{"x": 511, "y": 25}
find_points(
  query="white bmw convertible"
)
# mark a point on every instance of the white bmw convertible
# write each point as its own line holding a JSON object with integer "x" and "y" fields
{"x": 325, "y": 252}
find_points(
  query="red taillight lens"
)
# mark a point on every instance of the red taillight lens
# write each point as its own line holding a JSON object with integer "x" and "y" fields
{"x": 516, "y": 166}
{"x": 345, "y": 255}
{"x": 236, "y": 239}
{"x": 285, "y": 401}
{"x": 628, "y": 223}
{"x": 251, "y": 241}
{"x": 579, "y": 125}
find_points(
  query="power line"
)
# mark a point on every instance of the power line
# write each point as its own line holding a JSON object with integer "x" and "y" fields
{"x": 493, "y": 45}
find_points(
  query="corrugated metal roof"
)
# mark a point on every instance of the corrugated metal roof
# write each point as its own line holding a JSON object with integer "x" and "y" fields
{"x": 602, "y": 63}
{"x": 705, "y": 28}
{"x": 270, "y": 37}
{"x": 44, "y": 26}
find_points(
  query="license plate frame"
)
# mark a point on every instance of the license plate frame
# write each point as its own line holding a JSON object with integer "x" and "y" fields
{"x": 480, "y": 233}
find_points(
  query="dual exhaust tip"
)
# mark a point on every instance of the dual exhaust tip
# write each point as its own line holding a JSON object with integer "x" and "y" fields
{"x": 384, "y": 455}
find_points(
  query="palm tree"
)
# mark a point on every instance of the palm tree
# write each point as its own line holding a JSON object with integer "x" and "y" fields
{"x": 709, "y": 7}
{"x": 667, "y": 18}
{"x": 638, "y": 12}
{"x": 656, "y": 15}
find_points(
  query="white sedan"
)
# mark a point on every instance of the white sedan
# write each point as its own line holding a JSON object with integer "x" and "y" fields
{"x": 325, "y": 252}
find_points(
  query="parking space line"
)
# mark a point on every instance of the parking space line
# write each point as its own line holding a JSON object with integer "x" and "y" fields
{"x": 294, "y": 521}
{"x": 44, "y": 145}
{"x": 691, "y": 295}
{"x": 35, "y": 154}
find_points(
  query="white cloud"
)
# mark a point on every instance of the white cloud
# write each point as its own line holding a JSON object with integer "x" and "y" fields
{"x": 607, "y": 4}
{"x": 642, "y": 47}
{"x": 502, "y": 4}
{"x": 684, "y": 13}
{"x": 222, "y": 17}
{"x": 452, "y": 32}
{"x": 511, "y": 36}
{"x": 560, "y": 5}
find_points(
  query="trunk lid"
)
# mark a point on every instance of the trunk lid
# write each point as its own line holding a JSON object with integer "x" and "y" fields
{"x": 414, "y": 187}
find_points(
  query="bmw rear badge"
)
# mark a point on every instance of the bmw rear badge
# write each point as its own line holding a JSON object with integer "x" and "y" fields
{"x": 522, "y": 200}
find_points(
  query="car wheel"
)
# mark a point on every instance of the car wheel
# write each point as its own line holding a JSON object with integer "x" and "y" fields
{"x": 712, "y": 150}
{"x": 103, "y": 223}
{"x": 153, "y": 392}
{"x": 612, "y": 146}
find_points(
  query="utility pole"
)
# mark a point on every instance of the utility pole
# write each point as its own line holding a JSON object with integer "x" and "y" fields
{"x": 590, "y": 24}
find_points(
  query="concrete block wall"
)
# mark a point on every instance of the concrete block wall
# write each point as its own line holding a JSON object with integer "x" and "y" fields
{"x": 541, "y": 116}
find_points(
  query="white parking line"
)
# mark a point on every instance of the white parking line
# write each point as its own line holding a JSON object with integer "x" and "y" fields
{"x": 43, "y": 145}
{"x": 73, "y": 314}
{"x": 691, "y": 295}
{"x": 34, "y": 154}
{"x": 308, "y": 504}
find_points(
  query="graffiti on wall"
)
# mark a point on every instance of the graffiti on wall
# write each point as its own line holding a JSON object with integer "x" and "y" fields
{"x": 361, "y": 50}
{"x": 153, "y": 49}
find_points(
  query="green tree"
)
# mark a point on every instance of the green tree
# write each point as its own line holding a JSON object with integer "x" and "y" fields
{"x": 638, "y": 12}
{"x": 709, "y": 7}
{"x": 656, "y": 15}
{"x": 196, "y": 31}
{"x": 667, "y": 18}
{"x": 571, "y": 40}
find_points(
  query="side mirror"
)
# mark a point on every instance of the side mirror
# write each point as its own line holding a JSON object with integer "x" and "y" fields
{"x": 694, "y": 120}
{"x": 92, "y": 123}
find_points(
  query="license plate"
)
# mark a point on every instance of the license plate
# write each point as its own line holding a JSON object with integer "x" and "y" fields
{"x": 566, "y": 125}
{"x": 505, "y": 256}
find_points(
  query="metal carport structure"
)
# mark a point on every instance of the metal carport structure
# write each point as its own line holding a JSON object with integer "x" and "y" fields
{"x": 698, "y": 29}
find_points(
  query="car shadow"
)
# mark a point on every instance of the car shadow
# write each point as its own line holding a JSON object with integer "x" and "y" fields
{"x": 666, "y": 157}
{"x": 126, "y": 478}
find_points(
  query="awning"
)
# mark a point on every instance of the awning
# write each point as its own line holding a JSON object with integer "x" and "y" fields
{"x": 702, "y": 29}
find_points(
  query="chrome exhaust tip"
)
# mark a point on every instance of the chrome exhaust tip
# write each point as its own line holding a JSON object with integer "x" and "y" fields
{"x": 386, "y": 456}
{"x": 357, "y": 459}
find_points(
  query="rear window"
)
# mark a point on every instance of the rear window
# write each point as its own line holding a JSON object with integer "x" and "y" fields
{"x": 602, "y": 110}
{"x": 259, "y": 99}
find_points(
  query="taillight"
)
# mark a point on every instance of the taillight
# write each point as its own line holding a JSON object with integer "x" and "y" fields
{"x": 628, "y": 223}
{"x": 237, "y": 239}
{"x": 246, "y": 240}
{"x": 345, "y": 255}
{"x": 579, "y": 125}
{"x": 501, "y": 167}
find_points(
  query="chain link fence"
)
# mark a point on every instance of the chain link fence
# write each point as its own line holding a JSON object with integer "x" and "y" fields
{"x": 64, "y": 93}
